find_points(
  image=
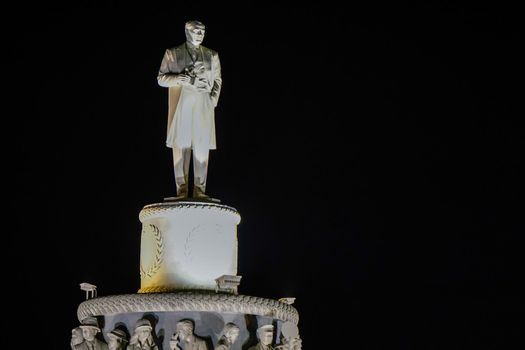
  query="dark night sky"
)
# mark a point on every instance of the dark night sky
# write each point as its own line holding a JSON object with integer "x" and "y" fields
{"x": 373, "y": 152}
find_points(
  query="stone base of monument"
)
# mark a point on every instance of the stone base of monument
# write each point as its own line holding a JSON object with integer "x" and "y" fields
{"x": 188, "y": 271}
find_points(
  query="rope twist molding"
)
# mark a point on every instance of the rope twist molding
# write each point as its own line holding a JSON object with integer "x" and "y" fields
{"x": 187, "y": 301}
{"x": 160, "y": 209}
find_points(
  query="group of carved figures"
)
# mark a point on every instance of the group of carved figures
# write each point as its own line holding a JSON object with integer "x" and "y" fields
{"x": 84, "y": 338}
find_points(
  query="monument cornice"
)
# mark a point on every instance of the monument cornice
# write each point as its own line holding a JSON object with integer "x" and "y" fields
{"x": 187, "y": 301}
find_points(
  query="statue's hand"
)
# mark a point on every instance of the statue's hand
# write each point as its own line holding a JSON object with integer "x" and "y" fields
{"x": 202, "y": 85}
{"x": 184, "y": 79}
{"x": 174, "y": 342}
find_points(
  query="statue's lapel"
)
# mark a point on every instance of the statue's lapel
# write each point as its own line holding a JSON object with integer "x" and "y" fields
{"x": 182, "y": 57}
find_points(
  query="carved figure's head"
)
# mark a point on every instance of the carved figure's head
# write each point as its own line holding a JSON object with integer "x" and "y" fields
{"x": 184, "y": 329}
{"x": 76, "y": 336}
{"x": 231, "y": 332}
{"x": 143, "y": 329}
{"x": 117, "y": 339}
{"x": 265, "y": 334}
{"x": 89, "y": 328}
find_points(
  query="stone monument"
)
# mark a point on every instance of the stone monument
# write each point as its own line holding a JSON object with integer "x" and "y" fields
{"x": 188, "y": 296}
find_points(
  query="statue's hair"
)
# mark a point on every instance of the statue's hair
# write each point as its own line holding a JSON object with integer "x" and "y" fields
{"x": 192, "y": 24}
{"x": 265, "y": 328}
{"x": 185, "y": 323}
{"x": 229, "y": 327}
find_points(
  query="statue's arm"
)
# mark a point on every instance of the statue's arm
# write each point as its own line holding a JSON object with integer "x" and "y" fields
{"x": 217, "y": 80}
{"x": 166, "y": 78}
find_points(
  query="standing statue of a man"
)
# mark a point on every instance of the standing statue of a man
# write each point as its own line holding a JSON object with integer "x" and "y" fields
{"x": 192, "y": 73}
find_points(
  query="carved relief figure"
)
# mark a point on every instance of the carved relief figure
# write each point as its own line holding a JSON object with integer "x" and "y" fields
{"x": 290, "y": 344}
{"x": 290, "y": 337}
{"x": 265, "y": 335}
{"x": 90, "y": 329}
{"x": 184, "y": 339}
{"x": 192, "y": 73}
{"x": 142, "y": 338}
{"x": 76, "y": 337}
{"x": 117, "y": 339}
{"x": 229, "y": 336}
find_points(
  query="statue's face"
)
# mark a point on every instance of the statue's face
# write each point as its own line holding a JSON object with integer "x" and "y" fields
{"x": 195, "y": 35}
{"x": 89, "y": 333}
{"x": 266, "y": 337}
{"x": 76, "y": 336}
{"x": 184, "y": 331}
{"x": 232, "y": 335}
{"x": 143, "y": 334}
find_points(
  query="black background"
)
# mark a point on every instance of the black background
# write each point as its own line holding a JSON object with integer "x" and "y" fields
{"x": 373, "y": 152}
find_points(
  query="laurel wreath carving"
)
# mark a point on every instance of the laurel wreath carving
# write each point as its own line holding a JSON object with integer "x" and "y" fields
{"x": 188, "y": 243}
{"x": 187, "y": 301}
{"x": 158, "y": 253}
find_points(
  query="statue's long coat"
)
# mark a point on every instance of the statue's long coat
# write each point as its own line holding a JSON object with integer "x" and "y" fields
{"x": 191, "y": 115}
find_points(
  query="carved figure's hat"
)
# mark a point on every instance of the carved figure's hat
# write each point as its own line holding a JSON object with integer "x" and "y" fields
{"x": 143, "y": 323}
{"x": 90, "y": 322}
{"x": 119, "y": 334}
{"x": 266, "y": 327}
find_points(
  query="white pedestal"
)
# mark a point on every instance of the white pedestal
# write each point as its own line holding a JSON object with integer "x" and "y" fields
{"x": 187, "y": 245}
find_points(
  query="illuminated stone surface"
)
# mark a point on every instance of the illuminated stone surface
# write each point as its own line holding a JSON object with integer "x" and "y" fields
{"x": 187, "y": 245}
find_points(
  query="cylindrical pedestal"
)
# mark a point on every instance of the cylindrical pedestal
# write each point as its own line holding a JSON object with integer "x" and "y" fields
{"x": 187, "y": 245}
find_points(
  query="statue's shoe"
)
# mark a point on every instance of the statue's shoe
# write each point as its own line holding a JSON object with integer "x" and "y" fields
{"x": 198, "y": 192}
{"x": 182, "y": 191}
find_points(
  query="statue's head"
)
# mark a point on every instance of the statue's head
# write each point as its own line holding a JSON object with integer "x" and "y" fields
{"x": 265, "y": 334}
{"x": 117, "y": 339}
{"x": 194, "y": 32}
{"x": 293, "y": 343}
{"x": 89, "y": 328}
{"x": 184, "y": 329}
{"x": 76, "y": 336}
{"x": 231, "y": 332}
{"x": 290, "y": 334}
{"x": 143, "y": 329}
